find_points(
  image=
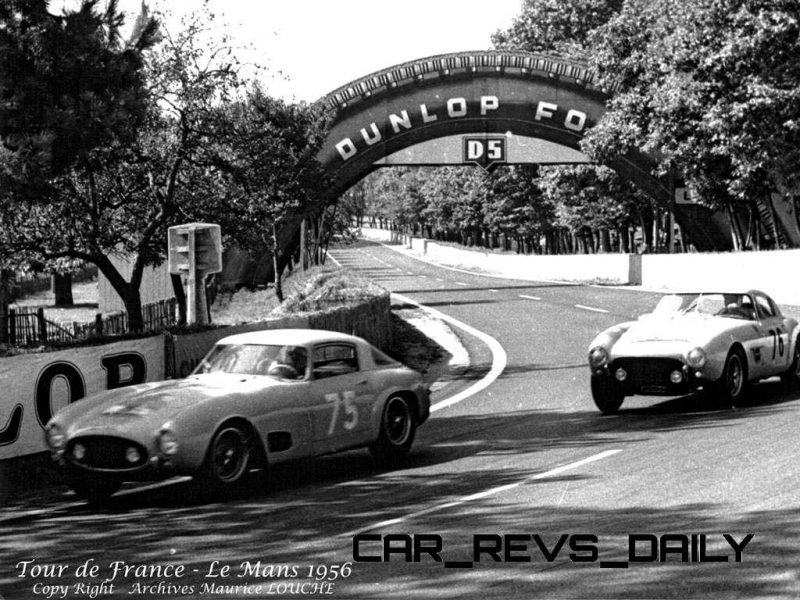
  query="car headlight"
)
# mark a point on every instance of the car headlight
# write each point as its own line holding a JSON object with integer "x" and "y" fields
{"x": 167, "y": 441}
{"x": 55, "y": 437}
{"x": 696, "y": 357}
{"x": 598, "y": 357}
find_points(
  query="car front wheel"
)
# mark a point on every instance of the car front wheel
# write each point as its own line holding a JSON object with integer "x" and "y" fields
{"x": 397, "y": 432}
{"x": 606, "y": 394}
{"x": 228, "y": 457}
{"x": 732, "y": 386}
{"x": 792, "y": 376}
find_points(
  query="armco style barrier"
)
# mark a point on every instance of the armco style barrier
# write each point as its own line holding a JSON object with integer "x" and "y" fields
{"x": 37, "y": 385}
{"x": 769, "y": 270}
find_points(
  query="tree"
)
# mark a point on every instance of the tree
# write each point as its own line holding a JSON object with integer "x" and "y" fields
{"x": 568, "y": 27}
{"x": 556, "y": 25}
{"x": 518, "y": 210}
{"x": 597, "y": 207}
{"x": 266, "y": 164}
{"x": 712, "y": 88}
{"x": 122, "y": 195}
{"x": 68, "y": 85}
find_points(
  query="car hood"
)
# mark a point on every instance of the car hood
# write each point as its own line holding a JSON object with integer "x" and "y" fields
{"x": 145, "y": 408}
{"x": 683, "y": 331}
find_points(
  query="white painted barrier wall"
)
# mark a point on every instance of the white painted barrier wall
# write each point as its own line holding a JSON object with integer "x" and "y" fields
{"x": 774, "y": 272}
{"x": 35, "y": 386}
{"x": 600, "y": 268}
{"x": 603, "y": 268}
{"x": 381, "y": 235}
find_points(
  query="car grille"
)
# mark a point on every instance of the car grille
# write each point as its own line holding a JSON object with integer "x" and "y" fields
{"x": 106, "y": 452}
{"x": 648, "y": 374}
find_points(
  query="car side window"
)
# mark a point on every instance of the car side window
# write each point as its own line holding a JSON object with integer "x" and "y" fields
{"x": 330, "y": 360}
{"x": 765, "y": 308}
{"x": 381, "y": 360}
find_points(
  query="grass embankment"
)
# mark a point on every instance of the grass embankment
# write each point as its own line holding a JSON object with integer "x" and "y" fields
{"x": 323, "y": 288}
{"x": 330, "y": 289}
{"x": 316, "y": 289}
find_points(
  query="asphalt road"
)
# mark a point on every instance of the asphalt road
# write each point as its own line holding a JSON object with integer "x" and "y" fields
{"x": 556, "y": 497}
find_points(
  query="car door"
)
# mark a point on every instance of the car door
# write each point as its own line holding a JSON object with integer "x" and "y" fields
{"x": 342, "y": 397}
{"x": 773, "y": 336}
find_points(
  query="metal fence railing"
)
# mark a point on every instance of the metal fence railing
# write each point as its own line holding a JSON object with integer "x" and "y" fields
{"x": 30, "y": 327}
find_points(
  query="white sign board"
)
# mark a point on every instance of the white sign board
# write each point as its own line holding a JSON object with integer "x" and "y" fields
{"x": 36, "y": 386}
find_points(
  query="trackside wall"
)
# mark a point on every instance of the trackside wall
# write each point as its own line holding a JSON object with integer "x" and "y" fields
{"x": 769, "y": 270}
{"x": 772, "y": 271}
{"x": 605, "y": 268}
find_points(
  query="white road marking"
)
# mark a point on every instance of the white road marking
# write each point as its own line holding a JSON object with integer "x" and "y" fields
{"x": 499, "y": 356}
{"x": 529, "y": 297}
{"x": 599, "y": 310}
{"x": 154, "y": 486}
{"x": 333, "y": 258}
{"x": 461, "y": 283}
{"x": 486, "y": 493}
{"x": 493, "y": 290}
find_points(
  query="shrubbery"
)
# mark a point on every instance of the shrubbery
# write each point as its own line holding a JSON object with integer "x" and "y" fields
{"x": 330, "y": 289}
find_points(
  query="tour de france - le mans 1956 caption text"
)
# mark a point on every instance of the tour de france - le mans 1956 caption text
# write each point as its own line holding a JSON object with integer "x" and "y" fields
{"x": 91, "y": 579}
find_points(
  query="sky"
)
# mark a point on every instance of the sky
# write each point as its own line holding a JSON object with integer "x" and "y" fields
{"x": 320, "y": 45}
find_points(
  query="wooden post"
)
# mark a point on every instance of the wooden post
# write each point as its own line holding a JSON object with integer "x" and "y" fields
{"x": 12, "y": 327}
{"x": 42, "y": 324}
{"x": 303, "y": 252}
{"x": 5, "y": 293}
{"x": 61, "y": 286}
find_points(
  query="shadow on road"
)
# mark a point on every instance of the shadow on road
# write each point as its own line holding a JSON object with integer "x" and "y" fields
{"x": 304, "y": 517}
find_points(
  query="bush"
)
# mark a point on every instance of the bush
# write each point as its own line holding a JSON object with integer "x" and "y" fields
{"x": 330, "y": 289}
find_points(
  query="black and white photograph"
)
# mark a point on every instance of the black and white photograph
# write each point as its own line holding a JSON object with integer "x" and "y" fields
{"x": 376, "y": 300}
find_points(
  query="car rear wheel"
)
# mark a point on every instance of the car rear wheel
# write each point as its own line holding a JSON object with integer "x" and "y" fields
{"x": 398, "y": 427}
{"x": 607, "y": 395}
{"x": 732, "y": 386}
{"x": 228, "y": 458}
{"x": 792, "y": 376}
{"x": 95, "y": 489}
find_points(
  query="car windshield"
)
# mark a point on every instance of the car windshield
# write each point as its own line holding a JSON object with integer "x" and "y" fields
{"x": 283, "y": 362}
{"x": 732, "y": 305}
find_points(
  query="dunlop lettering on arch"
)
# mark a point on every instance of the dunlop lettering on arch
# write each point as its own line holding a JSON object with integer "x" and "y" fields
{"x": 549, "y": 114}
{"x": 529, "y": 96}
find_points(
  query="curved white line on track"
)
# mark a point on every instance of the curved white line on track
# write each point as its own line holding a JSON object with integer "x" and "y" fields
{"x": 499, "y": 356}
{"x": 485, "y": 493}
{"x": 336, "y": 262}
